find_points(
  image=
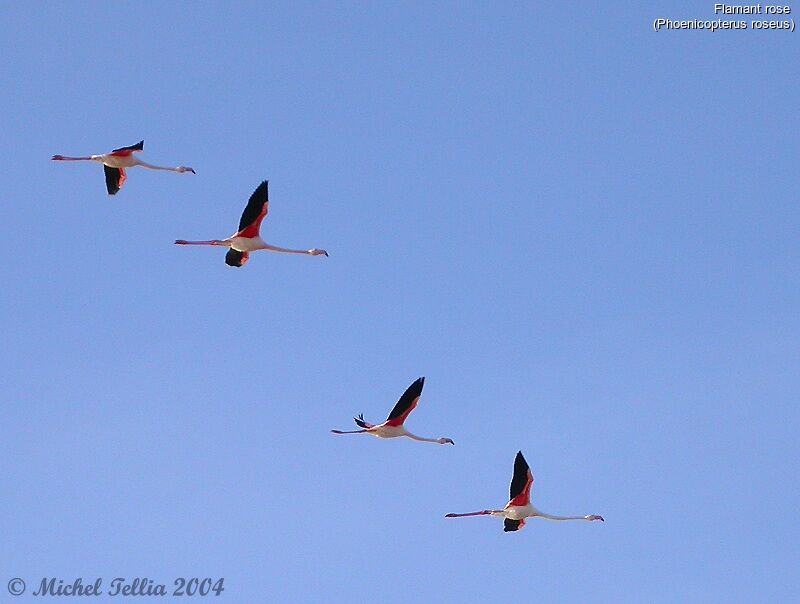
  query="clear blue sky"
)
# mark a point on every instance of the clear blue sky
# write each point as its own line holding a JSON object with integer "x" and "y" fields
{"x": 582, "y": 232}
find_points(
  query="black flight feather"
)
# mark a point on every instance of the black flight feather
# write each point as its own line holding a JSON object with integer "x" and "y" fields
{"x": 511, "y": 525}
{"x": 255, "y": 205}
{"x": 520, "y": 478}
{"x": 112, "y": 179}
{"x": 137, "y": 147}
{"x": 235, "y": 258}
{"x": 412, "y": 392}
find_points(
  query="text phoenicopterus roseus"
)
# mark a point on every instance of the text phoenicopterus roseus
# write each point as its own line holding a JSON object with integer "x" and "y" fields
{"x": 393, "y": 426}
{"x": 519, "y": 506}
{"x": 114, "y": 164}
{"x": 247, "y": 238}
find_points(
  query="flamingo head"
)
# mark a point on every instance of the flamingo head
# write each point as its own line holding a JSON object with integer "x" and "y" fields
{"x": 591, "y": 517}
{"x": 316, "y": 252}
{"x": 445, "y": 441}
{"x": 183, "y": 169}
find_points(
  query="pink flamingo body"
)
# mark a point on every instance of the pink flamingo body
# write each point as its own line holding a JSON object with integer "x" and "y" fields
{"x": 394, "y": 426}
{"x": 519, "y": 506}
{"x": 248, "y": 239}
{"x": 115, "y": 163}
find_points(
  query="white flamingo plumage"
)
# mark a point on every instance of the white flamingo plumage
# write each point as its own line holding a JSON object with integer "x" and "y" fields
{"x": 114, "y": 165}
{"x": 248, "y": 239}
{"x": 393, "y": 426}
{"x": 519, "y": 506}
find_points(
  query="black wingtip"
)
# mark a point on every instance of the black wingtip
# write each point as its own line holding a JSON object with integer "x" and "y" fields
{"x": 112, "y": 179}
{"x": 520, "y": 464}
{"x": 509, "y": 525}
{"x": 235, "y": 258}
{"x": 261, "y": 189}
{"x": 137, "y": 147}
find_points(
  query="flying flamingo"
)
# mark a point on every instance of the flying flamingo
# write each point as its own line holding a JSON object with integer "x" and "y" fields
{"x": 393, "y": 426}
{"x": 114, "y": 164}
{"x": 519, "y": 506}
{"x": 247, "y": 238}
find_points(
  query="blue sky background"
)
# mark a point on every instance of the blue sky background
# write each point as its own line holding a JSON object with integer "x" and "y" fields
{"x": 583, "y": 233}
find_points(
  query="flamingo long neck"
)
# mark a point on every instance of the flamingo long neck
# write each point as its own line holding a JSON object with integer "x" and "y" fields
{"x": 66, "y": 158}
{"x": 282, "y": 250}
{"x": 152, "y": 167}
{"x": 552, "y": 517}
{"x": 422, "y": 438}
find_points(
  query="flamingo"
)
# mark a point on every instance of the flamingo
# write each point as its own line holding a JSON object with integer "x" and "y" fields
{"x": 114, "y": 164}
{"x": 519, "y": 506}
{"x": 247, "y": 238}
{"x": 393, "y": 426}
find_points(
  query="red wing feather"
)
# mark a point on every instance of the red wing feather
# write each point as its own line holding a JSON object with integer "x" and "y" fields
{"x": 115, "y": 178}
{"x": 521, "y": 482}
{"x": 406, "y": 404}
{"x": 255, "y": 212}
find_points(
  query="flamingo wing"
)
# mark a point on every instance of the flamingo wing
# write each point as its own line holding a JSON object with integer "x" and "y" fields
{"x": 513, "y": 525}
{"x": 521, "y": 482}
{"x": 131, "y": 148}
{"x": 361, "y": 423}
{"x": 255, "y": 211}
{"x": 406, "y": 404}
{"x": 115, "y": 178}
{"x": 236, "y": 258}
